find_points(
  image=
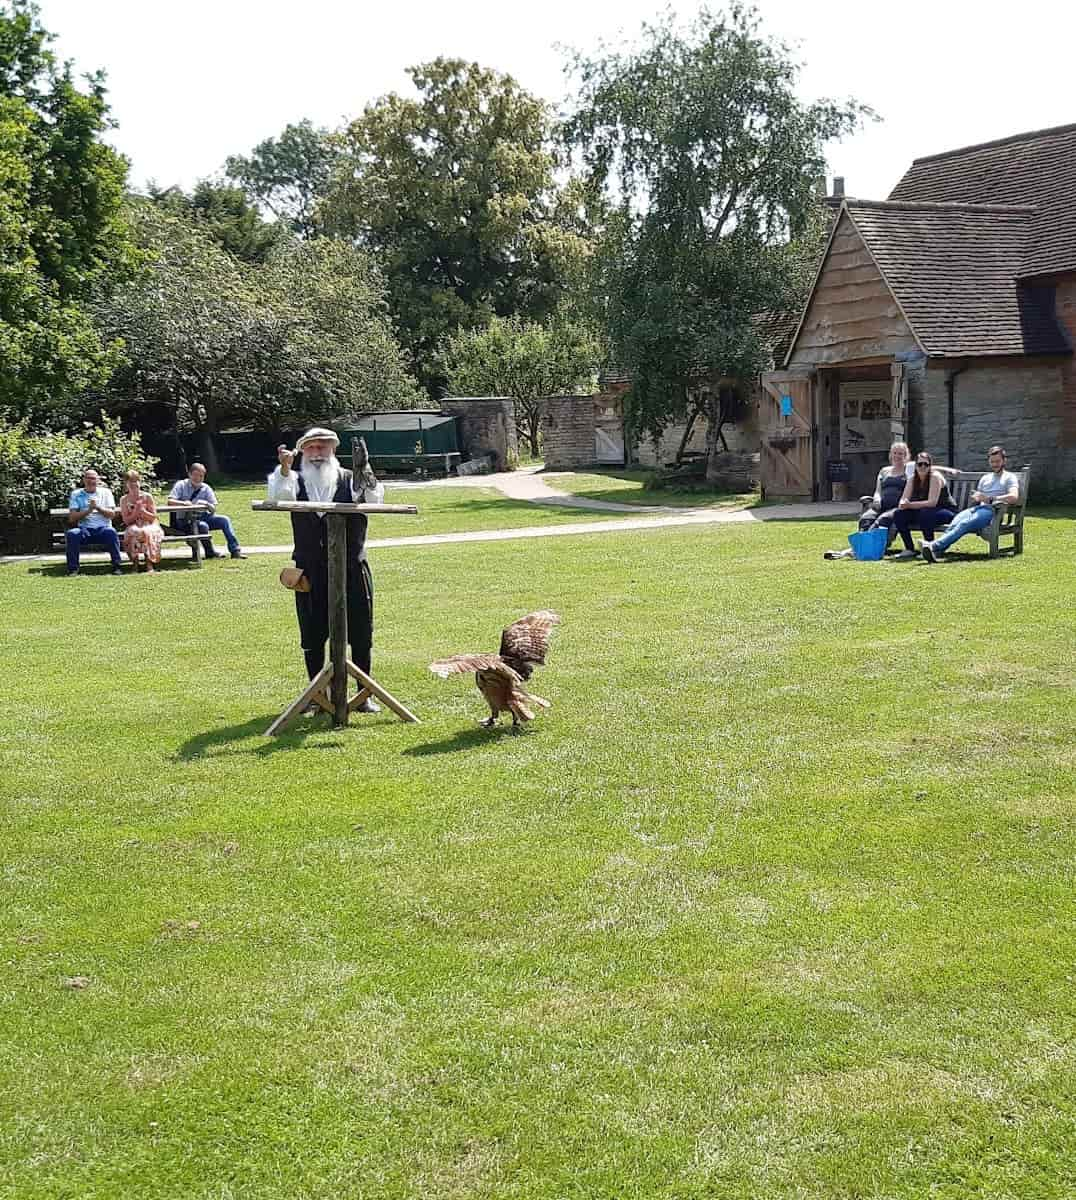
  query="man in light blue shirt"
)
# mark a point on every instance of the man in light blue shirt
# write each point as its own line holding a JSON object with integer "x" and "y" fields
{"x": 195, "y": 490}
{"x": 996, "y": 487}
{"x": 89, "y": 518}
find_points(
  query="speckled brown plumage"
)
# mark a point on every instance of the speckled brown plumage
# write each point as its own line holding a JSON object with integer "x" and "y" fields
{"x": 501, "y": 678}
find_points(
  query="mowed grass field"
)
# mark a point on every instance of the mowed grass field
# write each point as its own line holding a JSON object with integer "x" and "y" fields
{"x": 776, "y": 901}
{"x": 452, "y": 509}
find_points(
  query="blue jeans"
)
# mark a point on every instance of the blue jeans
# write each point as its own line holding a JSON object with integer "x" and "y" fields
{"x": 971, "y": 520}
{"x": 78, "y": 537}
{"x": 928, "y": 519}
{"x": 207, "y": 525}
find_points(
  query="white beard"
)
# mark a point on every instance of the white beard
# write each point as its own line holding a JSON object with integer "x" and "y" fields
{"x": 321, "y": 479}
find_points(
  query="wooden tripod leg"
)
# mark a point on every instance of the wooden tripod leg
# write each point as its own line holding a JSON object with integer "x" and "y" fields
{"x": 318, "y": 684}
{"x": 359, "y": 698}
{"x": 372, "y": 687}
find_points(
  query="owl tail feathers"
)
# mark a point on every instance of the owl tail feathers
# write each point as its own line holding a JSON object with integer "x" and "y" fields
{"x": 519, "y": 702}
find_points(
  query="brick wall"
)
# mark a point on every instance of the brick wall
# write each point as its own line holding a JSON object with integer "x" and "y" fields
{"x": 742, "y": 438}
{"x": 1020, "y": 405}
{"x": 487, "y": 426}
{"x": 568, "y": 432}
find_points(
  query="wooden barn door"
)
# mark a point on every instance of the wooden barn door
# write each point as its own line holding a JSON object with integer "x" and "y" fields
{"x": 788, "y": 424}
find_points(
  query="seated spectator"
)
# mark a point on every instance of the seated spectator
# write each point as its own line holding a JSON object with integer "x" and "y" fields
{"x": 91, "y": 509}
{"x": 142, "y": 533}
{"x": 888, "y": 489}
{"x": 997, "y": 487}
{"x": 926, "y": 503}
{"x": 195, "y": 490}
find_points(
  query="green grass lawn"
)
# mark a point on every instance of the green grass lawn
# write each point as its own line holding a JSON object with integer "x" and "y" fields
{"x": 441, "y": 510}
{"x": 775, "y": 902}
{"x": 628, "y": 486}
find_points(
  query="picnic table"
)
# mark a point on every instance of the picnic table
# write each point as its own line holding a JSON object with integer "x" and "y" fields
{"x": 168, "y": 507}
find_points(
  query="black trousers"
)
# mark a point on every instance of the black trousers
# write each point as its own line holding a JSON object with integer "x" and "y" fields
{"x": 312, "y": 609}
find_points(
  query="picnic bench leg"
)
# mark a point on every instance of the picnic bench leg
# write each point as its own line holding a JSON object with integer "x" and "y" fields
{"x": 338, "y": 618}
{"x": 992, "y": 534}
{"x": 196, "y": 543}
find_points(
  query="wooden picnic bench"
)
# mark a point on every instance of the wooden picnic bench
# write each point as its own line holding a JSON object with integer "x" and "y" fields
{"x": 1008, "y": 518}
{"x": 194, "y": 541}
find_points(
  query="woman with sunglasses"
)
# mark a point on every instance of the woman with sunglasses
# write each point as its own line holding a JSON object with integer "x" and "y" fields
{"x": 925, "y": 503}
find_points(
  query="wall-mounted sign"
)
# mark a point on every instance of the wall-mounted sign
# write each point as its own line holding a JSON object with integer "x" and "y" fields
{"x": 838, "y": 471}
{"x": 786, "y": 406}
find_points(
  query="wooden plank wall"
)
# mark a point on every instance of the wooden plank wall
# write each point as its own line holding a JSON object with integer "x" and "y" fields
{"x": 852, "y": 314}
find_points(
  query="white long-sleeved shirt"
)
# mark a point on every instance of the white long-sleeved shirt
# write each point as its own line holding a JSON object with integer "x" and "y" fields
{"x": 286, "y": 487}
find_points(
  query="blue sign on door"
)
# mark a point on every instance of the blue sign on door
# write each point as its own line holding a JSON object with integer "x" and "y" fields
{"x": 786, "y": 406}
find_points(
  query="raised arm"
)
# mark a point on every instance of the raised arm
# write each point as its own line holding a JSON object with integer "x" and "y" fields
{"x": 284, "y": 483}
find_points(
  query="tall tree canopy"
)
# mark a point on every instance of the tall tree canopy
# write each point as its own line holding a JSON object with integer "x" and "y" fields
{"x": 713, "y": 162}
{"x": 62, "y": 233}
{"x": 216, "y": 341}
{"x": 224, "y": 212}
{"x": 288, "y": 175}
{"x": 453, "y": 191}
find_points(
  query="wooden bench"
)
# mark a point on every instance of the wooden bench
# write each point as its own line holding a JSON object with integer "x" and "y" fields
{"x": 419, "y": 462}
{"x": 194, "y": 541}
{"x": 1008, "y": 518}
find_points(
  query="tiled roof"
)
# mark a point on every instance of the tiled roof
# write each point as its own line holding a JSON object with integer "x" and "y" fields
{"x": 1031, "y": 168}
{"x": 953, "y": 268}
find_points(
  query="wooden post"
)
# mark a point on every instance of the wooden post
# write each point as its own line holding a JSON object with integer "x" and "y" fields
{"x": 329, "y": 689}
{"x": 337, "y": 547}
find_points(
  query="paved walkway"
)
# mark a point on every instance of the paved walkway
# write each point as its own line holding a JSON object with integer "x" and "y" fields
{"x": 654, "y": 518}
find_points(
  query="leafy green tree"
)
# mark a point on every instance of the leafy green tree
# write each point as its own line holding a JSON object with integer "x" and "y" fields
{"x": 713, "y": 160}
{"x": 524, "y": 360}
{"x": 288, "y": 175}
{"x": 453, "y": 192}
{"x": 216, "y": 341}
{"x": 225, "y": 213}
{"x": 62, "y": 233}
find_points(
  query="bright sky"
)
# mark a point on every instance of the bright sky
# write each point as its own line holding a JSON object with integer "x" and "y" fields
{"x": 192, "y": 83}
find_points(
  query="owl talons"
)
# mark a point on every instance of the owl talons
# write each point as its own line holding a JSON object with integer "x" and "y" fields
{"x": 488, "y": 723}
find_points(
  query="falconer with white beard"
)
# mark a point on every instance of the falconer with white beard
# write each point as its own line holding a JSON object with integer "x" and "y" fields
{"x": 321, "y": 478}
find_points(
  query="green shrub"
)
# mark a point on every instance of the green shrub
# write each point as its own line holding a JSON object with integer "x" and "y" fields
{"x": 39, "y": 470}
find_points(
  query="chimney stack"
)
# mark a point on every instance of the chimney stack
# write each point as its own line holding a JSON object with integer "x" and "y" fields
{"x": 838, "y": 186}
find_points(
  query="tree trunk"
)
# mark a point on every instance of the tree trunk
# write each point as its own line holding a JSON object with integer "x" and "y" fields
{"x": 206, "y": 429}
{"x": 714, "y": 438}
{"x": 691, "y": 418}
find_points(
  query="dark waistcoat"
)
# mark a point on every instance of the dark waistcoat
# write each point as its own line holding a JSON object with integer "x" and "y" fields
{"x": 311, "y": 532}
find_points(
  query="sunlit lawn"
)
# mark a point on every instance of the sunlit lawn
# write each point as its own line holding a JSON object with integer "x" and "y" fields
{"x": 441, "y": 510}
{"x": 628, "y": 486}
{"x": 775, "y": 902}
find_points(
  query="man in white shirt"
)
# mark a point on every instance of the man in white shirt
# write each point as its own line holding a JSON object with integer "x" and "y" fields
{"x": 996, "y": 487}
{"x": 91, "y": 509}
{"x": 321, "y": 478}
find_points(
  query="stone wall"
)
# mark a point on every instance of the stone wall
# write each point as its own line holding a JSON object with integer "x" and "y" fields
{"x": 1066, "y": 317}
{"x": 487, "y": 425}
{"x": 568, "y": 432}
{"x": 1020, "y": 404}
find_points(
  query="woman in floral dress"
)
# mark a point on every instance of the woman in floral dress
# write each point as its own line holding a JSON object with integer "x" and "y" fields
{"x": 142, "y": 534}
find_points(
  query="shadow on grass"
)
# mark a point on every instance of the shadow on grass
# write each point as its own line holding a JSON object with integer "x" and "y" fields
{"x": 466, "y": 739}
{"x": 228, "y": 739}
{"x": 59, "y": 570}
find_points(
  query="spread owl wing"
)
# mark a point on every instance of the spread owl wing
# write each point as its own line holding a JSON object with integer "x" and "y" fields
{"x": 528, "y": 638}
{"x": 458, "y": 664}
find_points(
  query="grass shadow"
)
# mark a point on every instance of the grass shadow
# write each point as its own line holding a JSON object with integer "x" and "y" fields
{"x": 465, "y": 739}
{"x": 226, "y": 741}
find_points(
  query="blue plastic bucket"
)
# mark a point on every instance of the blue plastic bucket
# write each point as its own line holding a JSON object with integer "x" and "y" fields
{"x": 869, "y": 544}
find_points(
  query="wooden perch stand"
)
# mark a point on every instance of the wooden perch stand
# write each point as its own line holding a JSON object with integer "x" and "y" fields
{"x": 328, "y": 688}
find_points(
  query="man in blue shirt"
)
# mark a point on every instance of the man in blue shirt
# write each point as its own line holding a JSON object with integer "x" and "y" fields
{"x": 195, "y": 490}
{"x": 89, "y": 518}
{"x": 997, "y": 486}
